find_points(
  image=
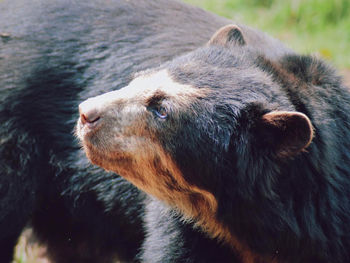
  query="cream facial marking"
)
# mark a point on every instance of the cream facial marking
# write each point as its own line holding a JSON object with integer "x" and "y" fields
{"x": 143, "y": 87}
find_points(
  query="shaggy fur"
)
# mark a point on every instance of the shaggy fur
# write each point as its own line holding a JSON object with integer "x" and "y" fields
{"x": 55, "y": 54}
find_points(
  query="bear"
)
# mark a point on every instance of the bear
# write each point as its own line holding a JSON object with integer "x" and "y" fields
{"x": 242, "y": 149}
{"x": 53, "y": 55}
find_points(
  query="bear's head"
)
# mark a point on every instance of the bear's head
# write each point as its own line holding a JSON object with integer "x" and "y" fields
{"x": 201, "y": 132}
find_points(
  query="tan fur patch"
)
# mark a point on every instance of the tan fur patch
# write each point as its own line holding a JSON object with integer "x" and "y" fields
{"x": 152, "y": 170}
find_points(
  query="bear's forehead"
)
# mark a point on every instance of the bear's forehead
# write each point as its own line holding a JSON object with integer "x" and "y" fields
{"x": 149, "y": 84}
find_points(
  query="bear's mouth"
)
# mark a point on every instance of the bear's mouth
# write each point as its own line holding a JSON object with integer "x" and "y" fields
{"x": 88, "y": 135}
{"x": 87, "y": 129}
{"x": 103, "y": 146}
{"x": 110, "y": 158}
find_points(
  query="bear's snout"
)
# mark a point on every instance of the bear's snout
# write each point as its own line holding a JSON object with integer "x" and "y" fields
{"x": 90, "y": 114}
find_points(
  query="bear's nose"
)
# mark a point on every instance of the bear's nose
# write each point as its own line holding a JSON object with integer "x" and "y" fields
{"x": 89, "y": 114}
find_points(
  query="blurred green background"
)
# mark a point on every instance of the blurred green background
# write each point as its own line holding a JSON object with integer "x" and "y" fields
{"x": 308, "y": 26}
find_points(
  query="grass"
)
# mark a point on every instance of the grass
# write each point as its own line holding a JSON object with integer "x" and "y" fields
{"x": 307, "y": 26}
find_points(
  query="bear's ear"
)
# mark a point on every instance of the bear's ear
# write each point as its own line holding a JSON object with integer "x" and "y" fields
{"x": 287, "y": 133}
{"x": 228, "y": 35}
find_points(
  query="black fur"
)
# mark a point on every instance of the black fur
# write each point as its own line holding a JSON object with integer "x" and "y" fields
{"x": 169, "y": 239}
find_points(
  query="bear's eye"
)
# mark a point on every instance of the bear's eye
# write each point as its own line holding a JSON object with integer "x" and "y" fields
{"x": 160, "y": 112}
